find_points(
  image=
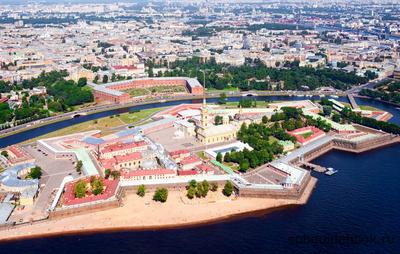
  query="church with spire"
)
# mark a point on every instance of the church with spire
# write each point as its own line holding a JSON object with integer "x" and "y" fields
{"x": 208, "y": 132}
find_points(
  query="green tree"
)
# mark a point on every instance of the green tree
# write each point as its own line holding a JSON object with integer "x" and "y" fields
{"x": 227, "y": 157}
{"x": 218, "y": 120}
{"x": 336, "y": 117}
{"x": 107, "y": 173}
{"x": 219, "y": 157}
{"x": 105, "y": 79}
{"x": 141, "y": 191}
{"x": 228, "y": 189}
{"x": 97, "y": 186}
{"x": 327, "y": 110}
{"x": 264, "y": 119}
{"x": 82, "y": 82}
{"x": 192, "y": 184}
{"x": 214, "y": 187}
{"x": 161, "y": 195}
{"x": 199, "y": 190}
{"x": 191, "y": 193}
{"x": 35, "y": 173}
{"x": 115, "y": 174}
{"x": 78, "y": 166}
{"x": 80, "y": 189}
{"x": 206, "y": 188}
{"x": 244, "y": 165}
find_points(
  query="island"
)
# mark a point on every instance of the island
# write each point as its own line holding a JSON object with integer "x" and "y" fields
{"x": 182, "y": 165}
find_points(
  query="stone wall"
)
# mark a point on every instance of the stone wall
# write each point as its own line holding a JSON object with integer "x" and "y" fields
{"x": 294, "y": 193}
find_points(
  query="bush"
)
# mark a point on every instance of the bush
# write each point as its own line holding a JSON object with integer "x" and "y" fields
{"x": 141, "y": 191}
{"x": 161, "y": 195}
{"x": 228, "y": 189}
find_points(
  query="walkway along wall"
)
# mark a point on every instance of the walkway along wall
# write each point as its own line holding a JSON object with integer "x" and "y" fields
{"x": 294, "y": 193}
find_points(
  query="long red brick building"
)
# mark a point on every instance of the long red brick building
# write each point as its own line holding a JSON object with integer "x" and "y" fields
{"x": 115, "y": 92}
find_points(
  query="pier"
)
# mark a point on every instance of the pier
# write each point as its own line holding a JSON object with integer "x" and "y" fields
{"x": 315, "y": 167}
{"x": 352, "y": 101}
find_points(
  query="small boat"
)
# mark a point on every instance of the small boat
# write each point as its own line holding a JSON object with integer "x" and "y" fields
{"x": 300, "y": 95}
{"x": 162, "y": 101}
{"x": 334, "y": 96}
{"x": 330, "y": 171}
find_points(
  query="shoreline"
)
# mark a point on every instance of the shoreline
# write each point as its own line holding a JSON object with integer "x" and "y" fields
{"x": 246, "y": 207}
{"x": 110, "y": 107}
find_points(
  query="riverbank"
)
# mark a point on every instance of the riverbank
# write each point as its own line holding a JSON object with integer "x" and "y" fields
{"x": 106, "y": 125}
{"x": 109, "y": 107}
{"x": 145, "y": 214}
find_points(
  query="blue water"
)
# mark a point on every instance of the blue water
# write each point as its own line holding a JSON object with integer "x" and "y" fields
{"x": 32, "y": 133}
{"x": 357, "y": 210}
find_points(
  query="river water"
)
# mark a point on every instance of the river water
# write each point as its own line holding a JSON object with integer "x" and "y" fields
{"x": 353, "y": 211}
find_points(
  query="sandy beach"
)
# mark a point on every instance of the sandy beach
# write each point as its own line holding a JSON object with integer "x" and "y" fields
{"x": 142, "y": 213}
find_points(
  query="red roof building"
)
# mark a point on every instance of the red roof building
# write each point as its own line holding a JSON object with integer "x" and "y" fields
{"x": 178, "y": 155}
{"x": 118, "y": 162}
{"x": 307, "y": 134}
{"x": 190, "y": 162}
{"x": 120, "y": 148}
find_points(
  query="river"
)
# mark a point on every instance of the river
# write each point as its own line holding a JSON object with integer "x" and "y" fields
{"x": 32, "y": 133}
{"x": 354, "y": 211}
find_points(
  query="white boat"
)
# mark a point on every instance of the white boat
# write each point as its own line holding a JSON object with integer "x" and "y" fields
{"x": 330, "y": 171}
{"x": 334, "y": 96}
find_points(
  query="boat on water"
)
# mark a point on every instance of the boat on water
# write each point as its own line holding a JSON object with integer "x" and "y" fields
{"x": 334, "y": 96}
{"x": 300, "y": 95}
{"x": 330, "y": 171}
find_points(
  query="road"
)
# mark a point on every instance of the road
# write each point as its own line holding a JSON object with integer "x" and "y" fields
{"x": 369, "y": 85}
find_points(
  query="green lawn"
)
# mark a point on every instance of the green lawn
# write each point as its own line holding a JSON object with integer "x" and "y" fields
{"x": 229, "y": 88}
{"x": 168, "y": 89}
{"x": 156, "y": 89}
{"x": 307, "y": 134}
{"x": 133, "y": 117}
{"x": 138, "y": 92}
{"x": 363, "y": 107}
{"x": 234, "y": 104}
{"x": 202, "y": 155}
